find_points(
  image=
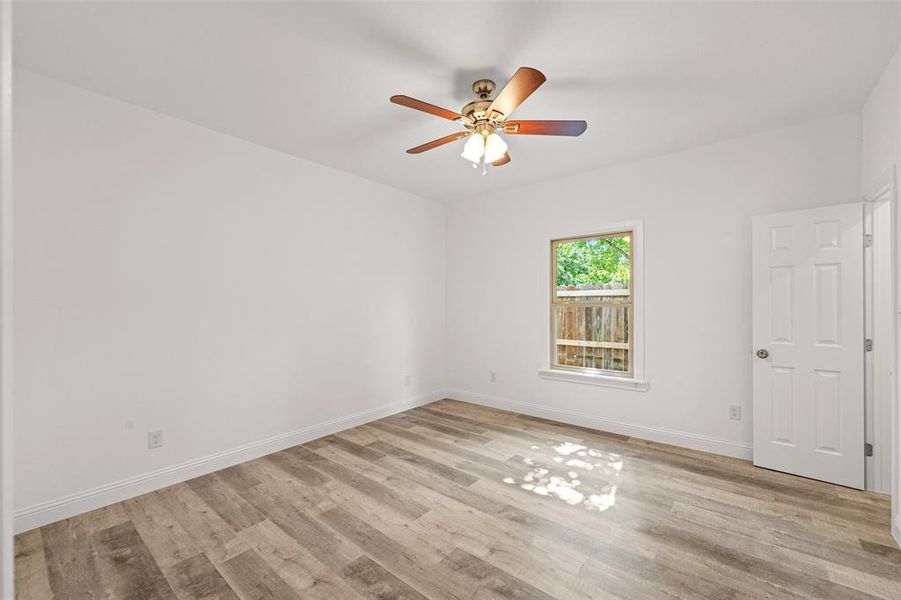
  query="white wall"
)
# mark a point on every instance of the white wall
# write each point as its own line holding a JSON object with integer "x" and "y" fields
{"x": 696, "y": 207}
{"x": 171, "y": 277}
{"x": 881, "y": 156}
{"x": 881, "y": 118}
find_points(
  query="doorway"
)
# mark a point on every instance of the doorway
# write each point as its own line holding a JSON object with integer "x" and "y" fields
{"x": 880, "y": 333}
{"x": 824, "y": 342}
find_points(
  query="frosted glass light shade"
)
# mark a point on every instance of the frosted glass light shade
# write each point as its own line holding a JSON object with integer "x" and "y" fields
{"x": 495, "y": 146}
{"x": 474, "y": 148}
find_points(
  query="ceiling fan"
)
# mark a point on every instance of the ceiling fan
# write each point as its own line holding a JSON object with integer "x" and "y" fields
{"x": 486, "y": 117}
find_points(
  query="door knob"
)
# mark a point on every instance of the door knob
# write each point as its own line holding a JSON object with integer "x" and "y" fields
{"x": 763, "y": 353}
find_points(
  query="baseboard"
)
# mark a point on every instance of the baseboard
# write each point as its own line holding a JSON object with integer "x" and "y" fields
{"x": 694, "y": 441}
{"x": 87, "y": 500}
{"x": 896, "y": 529}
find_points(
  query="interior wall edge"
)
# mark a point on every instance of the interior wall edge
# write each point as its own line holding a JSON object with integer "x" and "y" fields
{"x": 80, "y": 502}
{"x": 7, "y": 550}
{"x": 684, "y": 439}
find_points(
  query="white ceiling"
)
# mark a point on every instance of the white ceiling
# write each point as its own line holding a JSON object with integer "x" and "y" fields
{"x": 313, "y": 79}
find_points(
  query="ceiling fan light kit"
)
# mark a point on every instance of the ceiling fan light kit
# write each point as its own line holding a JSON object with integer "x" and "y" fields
{"x": 489, "y": 146}
{"x": 485, "y": 118}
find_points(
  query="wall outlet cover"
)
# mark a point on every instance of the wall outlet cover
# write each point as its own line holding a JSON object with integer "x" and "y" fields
{"x": 154, "y": 439}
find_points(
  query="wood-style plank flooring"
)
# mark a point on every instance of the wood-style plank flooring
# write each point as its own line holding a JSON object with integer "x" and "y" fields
{"x": 463, "y": 502}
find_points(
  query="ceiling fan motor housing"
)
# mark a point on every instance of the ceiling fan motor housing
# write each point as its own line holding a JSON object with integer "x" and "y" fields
{"x": 477, "y": 109}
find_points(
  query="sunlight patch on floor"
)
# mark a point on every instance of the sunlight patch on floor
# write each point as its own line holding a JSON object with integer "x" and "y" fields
{"x": 574, "y": 462}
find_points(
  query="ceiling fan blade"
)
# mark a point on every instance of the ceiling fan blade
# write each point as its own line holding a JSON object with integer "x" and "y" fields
{"x": 571, "y": 128}
{"x": 501, "y": 161}
{"x": 525, "y": 81}
{"x": 426, "y": 107}
{"x": 439, "y": 142}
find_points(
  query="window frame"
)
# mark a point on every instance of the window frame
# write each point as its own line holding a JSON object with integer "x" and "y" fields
{"x": 633, "y": 380}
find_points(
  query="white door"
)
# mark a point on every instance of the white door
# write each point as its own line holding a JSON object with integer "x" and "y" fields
{"x": 808, "y": 330}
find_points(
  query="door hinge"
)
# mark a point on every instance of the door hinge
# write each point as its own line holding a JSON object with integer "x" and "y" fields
{"x": 868, "y": 345}
{"x": 868, "y": 449}
{"x": 868, "y": 240}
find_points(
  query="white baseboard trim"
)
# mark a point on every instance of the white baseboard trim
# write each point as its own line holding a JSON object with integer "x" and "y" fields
{"x": 896, "y": 529}
{"x": 117, "y": 491}
{"x": 694, "y": 441}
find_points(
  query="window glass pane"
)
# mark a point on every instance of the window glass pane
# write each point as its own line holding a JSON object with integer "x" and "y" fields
{"x": 594, "y": 270}
{"x": 592, "y": 298}
{"x": 594, "y": 337}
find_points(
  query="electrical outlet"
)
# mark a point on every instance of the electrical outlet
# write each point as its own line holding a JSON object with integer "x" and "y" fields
{"x": 492, "y": 376}
{"x": 154, "y": 439}
{"x": 735, "y": 412}
{"x": 408, "y": 379}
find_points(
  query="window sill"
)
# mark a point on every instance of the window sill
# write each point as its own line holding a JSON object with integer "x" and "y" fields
{"x": 621, "y": 383}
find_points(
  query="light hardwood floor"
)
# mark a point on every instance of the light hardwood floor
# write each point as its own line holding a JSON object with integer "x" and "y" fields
{"x": 462, "y": 502}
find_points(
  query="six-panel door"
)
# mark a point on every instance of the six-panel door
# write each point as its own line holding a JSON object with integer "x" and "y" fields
{"x": 808, "y": 317}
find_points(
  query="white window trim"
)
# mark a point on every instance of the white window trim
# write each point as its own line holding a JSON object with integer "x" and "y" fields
{"x": 637, "y": 380}
{"x": 610, "y": 381}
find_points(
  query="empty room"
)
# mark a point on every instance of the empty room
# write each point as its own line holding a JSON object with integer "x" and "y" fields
{"x": 449, "y": 300}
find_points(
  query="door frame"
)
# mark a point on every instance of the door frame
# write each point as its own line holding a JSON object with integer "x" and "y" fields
{"x": 6, "y": 390}
{"x": 880, "y": 324}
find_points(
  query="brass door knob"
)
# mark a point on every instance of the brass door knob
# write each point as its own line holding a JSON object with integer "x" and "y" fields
{"x": 763, "y": 353}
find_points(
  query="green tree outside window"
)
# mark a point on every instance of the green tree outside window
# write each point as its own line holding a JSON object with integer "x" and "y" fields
{"x": 594, "y": 262}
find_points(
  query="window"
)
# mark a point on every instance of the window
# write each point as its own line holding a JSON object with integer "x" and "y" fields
{"x": 592, "y": 304}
